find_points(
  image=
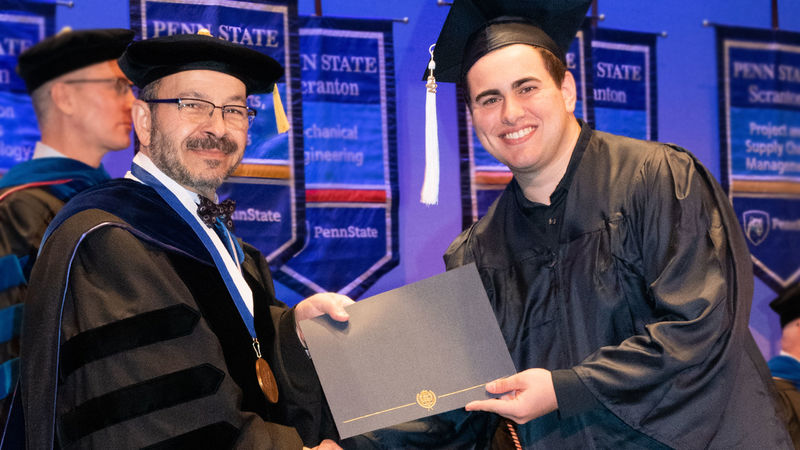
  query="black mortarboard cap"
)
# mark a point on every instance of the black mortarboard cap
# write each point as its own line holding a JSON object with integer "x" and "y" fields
{"x": 68, "y": 51}
{"x": 474, "y": 28}
{"x": 148, "y": 60}
{"x": 787, "y": 305}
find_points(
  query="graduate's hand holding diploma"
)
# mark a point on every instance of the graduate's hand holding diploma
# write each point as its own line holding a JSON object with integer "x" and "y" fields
{"x": 526, "y": 396}
{"x": 327, "y": 444}
{"x": 415, "y": 351}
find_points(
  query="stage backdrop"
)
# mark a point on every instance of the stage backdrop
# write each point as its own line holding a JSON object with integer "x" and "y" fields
{"x": 759, "y": 95}
{"x": 350, "y": 135}
{"x": 22, "y": 24}
{"x": 268, "y": 186}
{"x": 624, "y": 77}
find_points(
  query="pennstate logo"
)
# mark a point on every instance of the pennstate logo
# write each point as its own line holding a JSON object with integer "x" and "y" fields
{"x": 756, "y": 225}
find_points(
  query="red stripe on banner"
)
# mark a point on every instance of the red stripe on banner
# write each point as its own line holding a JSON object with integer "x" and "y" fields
{"x": 492, "y": 177}
{"x": 31, "y": 185}
{"x": 345, "y": 196}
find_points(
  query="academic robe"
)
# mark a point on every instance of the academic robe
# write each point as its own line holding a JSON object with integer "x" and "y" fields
{"x": 785, "y": 371}
{"x": 789, "y": 398}
{"x": 31, "y": 194}
{"x": 646, "y": 298}
{"x": 131, "y": 338}
{"x": 640, "y": 309}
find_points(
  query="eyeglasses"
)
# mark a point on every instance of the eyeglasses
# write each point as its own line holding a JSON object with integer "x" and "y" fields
{"x": 121, "y": 85}
{"x": 199, "y": 111}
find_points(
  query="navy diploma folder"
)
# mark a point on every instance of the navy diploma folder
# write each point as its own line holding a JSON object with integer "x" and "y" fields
{"x": 415, "y": 351}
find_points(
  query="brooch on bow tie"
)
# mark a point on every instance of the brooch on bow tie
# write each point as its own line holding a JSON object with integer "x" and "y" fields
{"x": 210, "y": 211}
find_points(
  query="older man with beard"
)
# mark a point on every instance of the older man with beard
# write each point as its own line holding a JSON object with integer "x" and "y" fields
{"x": 157, "y": 327}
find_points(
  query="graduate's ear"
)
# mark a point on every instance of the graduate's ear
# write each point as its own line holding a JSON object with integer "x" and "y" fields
{"x": 569, "y": 91}
{"x": 142, "y": 121}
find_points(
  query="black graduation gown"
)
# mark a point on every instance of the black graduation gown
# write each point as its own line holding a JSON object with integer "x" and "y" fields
{"x": 645, "y": 303}
{"x": 131, "y": 339}
{"x": 640, "y": 309}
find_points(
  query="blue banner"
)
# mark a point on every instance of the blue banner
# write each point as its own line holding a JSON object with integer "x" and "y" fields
{"x": 771, "y": 225}
{"x": 483, "y": 178}
{"x": 22, "y": 24}
{"x": 350, "y": 136}
{"x": 759, "y": 94}
{"x": 268, "y": 185}
{"x": 624, "y": 75}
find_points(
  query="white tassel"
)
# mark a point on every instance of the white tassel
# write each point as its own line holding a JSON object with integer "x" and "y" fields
{"x": 430, "y": 186}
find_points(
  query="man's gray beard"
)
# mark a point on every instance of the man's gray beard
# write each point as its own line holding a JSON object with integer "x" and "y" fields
{"x": 165, "y": 156}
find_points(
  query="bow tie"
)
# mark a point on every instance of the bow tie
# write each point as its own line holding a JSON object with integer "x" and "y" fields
{"x": 210, "y": 211}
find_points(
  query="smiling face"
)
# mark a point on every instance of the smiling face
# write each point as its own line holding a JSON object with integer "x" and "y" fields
{"x": 199, "y": 156}
{"x": 520, "y": 115}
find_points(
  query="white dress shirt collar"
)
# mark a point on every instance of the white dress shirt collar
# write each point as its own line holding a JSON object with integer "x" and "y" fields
{"x": 43, "y": 150}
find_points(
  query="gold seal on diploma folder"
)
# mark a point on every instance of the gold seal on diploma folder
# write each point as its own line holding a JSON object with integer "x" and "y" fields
{"x": 426, "y": 399}
{"x": 422, "y": 349}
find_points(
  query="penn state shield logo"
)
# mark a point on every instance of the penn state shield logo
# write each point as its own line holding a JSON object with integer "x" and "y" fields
{"x": 756, "y": 225}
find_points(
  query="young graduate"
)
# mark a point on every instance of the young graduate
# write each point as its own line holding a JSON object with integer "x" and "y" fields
{"x": 616, "y": 267}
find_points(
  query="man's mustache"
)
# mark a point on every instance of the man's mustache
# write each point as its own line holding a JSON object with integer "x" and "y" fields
{"x": 223, "y": 144}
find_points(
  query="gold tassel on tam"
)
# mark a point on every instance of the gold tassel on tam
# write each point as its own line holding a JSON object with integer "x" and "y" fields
{"x": 280, "y": 115}
{"x": 430, "y": 186}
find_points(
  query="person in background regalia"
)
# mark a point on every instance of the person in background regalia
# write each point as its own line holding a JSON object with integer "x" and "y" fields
{"x": 83, "y": 103}
{"x": 785, "y": 367}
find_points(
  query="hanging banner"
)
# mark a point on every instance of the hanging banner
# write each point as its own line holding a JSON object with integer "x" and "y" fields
{"x": 268, "y": 185}
{"x": 625, "y": 89}
{"x": 22, "y": 24}
{"x": 350, "y": 136}
{"x": 759, "y": 91}
{"x": 483, "y": 178}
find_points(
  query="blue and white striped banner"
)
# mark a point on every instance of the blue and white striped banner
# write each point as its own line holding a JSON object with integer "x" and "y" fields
{"x": 350, "y": 135}
{"x": 624, "y": 83}
{"x": 759, "y": 94}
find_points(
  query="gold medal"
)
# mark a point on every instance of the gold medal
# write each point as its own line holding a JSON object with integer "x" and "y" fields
{"x": 266, "y": 380}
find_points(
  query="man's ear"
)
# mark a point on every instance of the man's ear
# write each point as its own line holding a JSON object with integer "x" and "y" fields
{"x": 63, "y": 98}
{"x": 569, "y": 91}
{"x": 142, "y": 121}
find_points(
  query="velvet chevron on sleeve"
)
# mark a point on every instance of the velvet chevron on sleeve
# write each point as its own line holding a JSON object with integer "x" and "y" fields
{"x": 134, "y": 341}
